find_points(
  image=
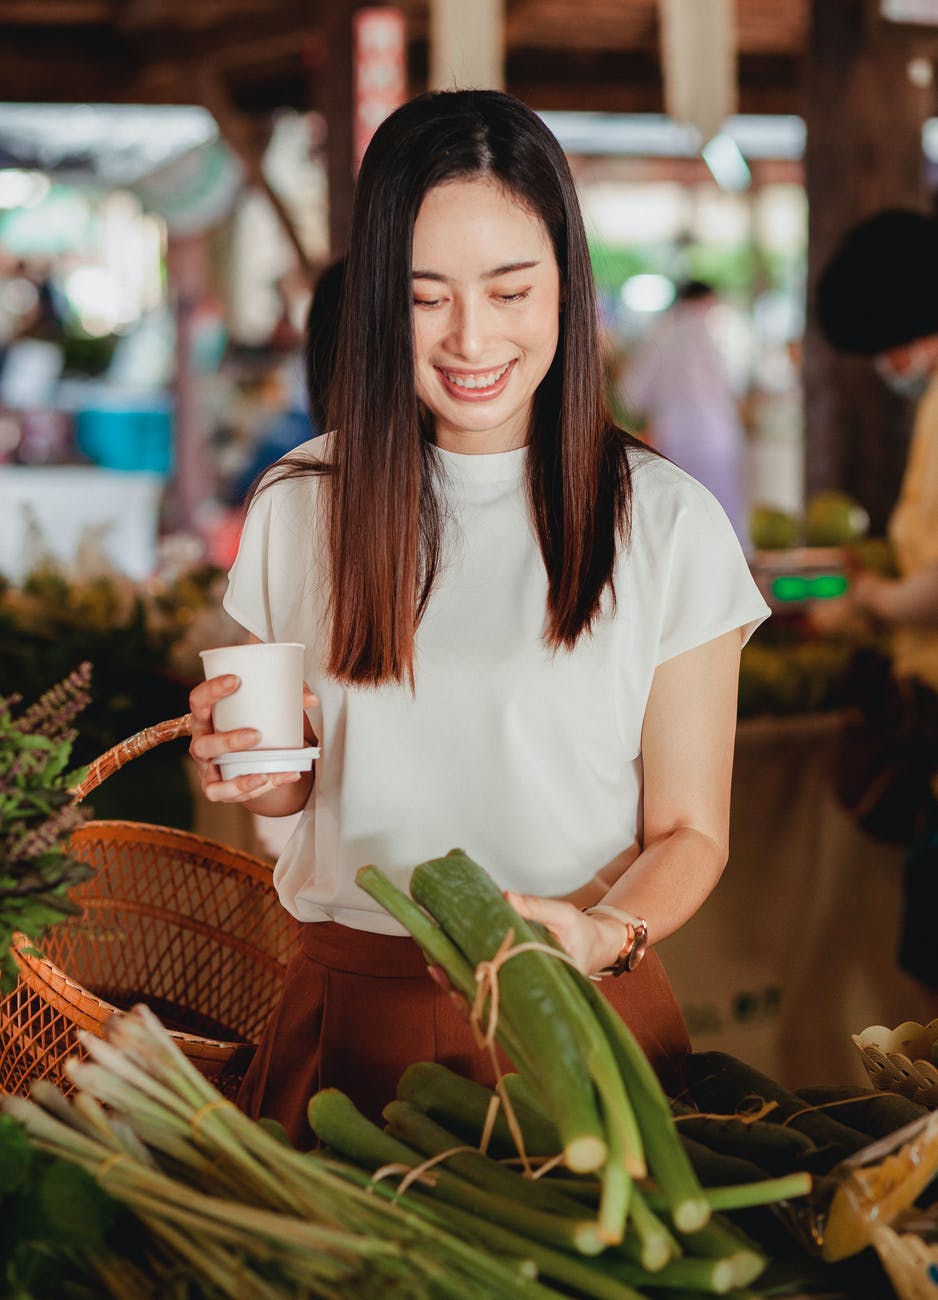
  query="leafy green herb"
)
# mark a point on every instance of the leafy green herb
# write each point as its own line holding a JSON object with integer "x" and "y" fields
{"x": 37, "y": 813}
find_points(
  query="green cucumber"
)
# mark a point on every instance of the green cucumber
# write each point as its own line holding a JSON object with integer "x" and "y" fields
{"x": 775, "y": 1148}
{"x": 533, "y": 1001}
{"x": 462, "y": 1105}
{"x": 875, "y": 1114}
{"x": 336, "y": 1121}
{"x": 722, "y": 1083}
{"x": 419, "y": 1131}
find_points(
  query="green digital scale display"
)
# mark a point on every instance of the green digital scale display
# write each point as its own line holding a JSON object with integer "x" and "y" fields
{"x": 797, "y": 586}
{"x": 794, "y": 577}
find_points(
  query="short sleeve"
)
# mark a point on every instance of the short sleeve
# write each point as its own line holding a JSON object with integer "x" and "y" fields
{"x": 247, "y": 598}
{"x": 694, "y": 561}
{"x": 272, "y": 585}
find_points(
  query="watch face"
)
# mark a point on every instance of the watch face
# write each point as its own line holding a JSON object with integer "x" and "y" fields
{"x": 637, "y": 951}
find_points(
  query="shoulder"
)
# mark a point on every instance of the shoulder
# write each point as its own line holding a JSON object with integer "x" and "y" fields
{"x": 310, "y": 459}
{"x": 295, "y": 477}
{"x": 663, "y": 493}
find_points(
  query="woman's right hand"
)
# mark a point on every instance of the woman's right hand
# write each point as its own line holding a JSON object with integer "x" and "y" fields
{"x": 207, "y": 744}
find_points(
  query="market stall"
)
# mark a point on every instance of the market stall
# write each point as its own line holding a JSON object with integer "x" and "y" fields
{"x": 796, "y": 949}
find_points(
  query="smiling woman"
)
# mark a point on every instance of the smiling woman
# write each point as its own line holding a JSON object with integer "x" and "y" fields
{"x": 486, "y": 311}
{"x": 522, "y": 627}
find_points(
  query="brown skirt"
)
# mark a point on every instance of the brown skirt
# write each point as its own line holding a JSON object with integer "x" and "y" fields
{"x": 358, "y": 1008}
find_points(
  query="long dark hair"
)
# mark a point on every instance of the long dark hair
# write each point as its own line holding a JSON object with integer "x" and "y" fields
{"x": 385, "y": 515}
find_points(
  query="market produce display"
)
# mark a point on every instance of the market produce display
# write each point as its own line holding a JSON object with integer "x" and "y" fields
{"x": 37, "y": 813}
{"x": 576, "y": 1176}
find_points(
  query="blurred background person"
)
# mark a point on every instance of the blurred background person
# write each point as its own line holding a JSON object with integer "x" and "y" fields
{"x": 878, "y": 297}
{"x": 301, "y": 415}
{"x": 321, "y": 334}
{"x": 679, "y": 382}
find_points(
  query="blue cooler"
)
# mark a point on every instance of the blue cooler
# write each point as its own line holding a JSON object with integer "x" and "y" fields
{"x": 128, "y": 436}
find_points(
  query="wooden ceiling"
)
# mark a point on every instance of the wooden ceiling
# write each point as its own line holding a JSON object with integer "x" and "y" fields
{"x": 599, "y": 55}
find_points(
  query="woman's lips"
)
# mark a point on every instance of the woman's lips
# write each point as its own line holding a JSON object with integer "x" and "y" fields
{"x": 476, "y": 385}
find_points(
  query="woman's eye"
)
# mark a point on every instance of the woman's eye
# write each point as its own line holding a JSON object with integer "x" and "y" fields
{"x": 427, "y": 302}
{"x": 514, "y": 297}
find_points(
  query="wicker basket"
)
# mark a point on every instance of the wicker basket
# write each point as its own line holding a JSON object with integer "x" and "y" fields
{"x": 898, "y": 1060}
{"x": 190, "y": 927}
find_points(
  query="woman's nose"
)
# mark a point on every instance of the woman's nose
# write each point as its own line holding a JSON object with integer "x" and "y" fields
{"x": 468, "y": 329}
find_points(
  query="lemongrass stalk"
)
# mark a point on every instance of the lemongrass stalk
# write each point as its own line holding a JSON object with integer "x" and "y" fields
{"x": 436, "y": 945}
{"x": 157, "y": 1125}
{"x": 417, "y": 1130}
{"x": 656, "y": 1245}
{"x": 722, "y": 1239}
{"x": 94, "y": 1120}
{"x": 535, "y": 1006}
{"x": 741, "y": 1196}
{"x": 710, "y": 1276}
{"x": 582, "y": 1277}
{"x": 432, "y": 939}
{"x": 51, "y": 1132}
{"x": 337, "y": 1122}
{"x": 127, "y": 1180}
{"x": 614, "y": 1179}
{"x": 79, "y": 1113}
{"x": 158, "y": 1199}
{"x": 427, "y": 1210}
{"x": 140, "y": 1035}
{"x": 121, "y": 1279}
{"x": 212, "y": 1264}
{"x": 669, "y": 1162}
{"x": 463, "y": 1105}
{"x": 162, "y": 1203}
{"x": 105, "y": 1053}
{"x": 171, "y": 1128}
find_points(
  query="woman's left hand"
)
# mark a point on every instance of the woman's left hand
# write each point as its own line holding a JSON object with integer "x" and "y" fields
{"x": 594, "y": 942}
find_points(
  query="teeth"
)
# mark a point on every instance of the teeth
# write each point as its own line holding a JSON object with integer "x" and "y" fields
{"x": 477, "y": 381}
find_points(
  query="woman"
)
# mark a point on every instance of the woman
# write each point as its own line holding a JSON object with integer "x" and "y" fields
{"x": 522, "y": 628}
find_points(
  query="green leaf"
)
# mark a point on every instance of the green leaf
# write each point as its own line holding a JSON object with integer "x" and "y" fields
{"x": 16, "y": 1156}
{"x": 78, "y": 1210}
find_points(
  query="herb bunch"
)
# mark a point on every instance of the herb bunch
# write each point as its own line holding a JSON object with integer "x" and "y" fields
{"x": 37, "y": 813}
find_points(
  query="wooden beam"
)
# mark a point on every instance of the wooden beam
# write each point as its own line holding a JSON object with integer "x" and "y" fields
{"x": 243, "y": 138}
{"x": 54, "y": 12}
{"x": 338, "y": 107}
{"x": 864, "y": 121}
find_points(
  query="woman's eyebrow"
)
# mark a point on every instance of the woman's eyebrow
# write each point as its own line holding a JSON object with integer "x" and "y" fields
{"x": 506, "y": 269}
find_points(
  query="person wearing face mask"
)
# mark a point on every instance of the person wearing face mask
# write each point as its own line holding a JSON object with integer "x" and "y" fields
{"x": 878, "y": 297}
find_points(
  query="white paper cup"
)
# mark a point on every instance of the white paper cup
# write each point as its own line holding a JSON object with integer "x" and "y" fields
{"x": 270, "y": 696}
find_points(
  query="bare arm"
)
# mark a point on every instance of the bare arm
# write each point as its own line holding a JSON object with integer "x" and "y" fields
{"x": 912, "y": 600}
{"x": 275, "y": 795}
{"x": 687, "y": 751}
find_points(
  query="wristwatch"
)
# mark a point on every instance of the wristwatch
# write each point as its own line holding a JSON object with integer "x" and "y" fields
{"x": 633, "y": 950}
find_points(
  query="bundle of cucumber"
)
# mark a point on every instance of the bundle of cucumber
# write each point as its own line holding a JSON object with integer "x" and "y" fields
{"x": 631, "y": 1214}
{"x": 811, "y": 1129}
{"x": 888, "y": 1145}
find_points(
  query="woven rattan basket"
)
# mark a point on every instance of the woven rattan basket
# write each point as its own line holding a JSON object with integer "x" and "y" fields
{"x": 900, "y": 1060}
{"x": 178, "y": 921}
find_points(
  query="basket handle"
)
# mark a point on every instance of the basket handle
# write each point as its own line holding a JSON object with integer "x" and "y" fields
{"x": 115, "y": 758}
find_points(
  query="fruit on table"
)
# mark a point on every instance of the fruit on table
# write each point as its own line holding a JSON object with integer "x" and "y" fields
{"x": 834, "y": 519}
{"x": 772, "y": 529}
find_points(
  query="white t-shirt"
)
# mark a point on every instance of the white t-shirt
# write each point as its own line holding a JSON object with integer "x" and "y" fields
{"x": 528, "y": 759}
